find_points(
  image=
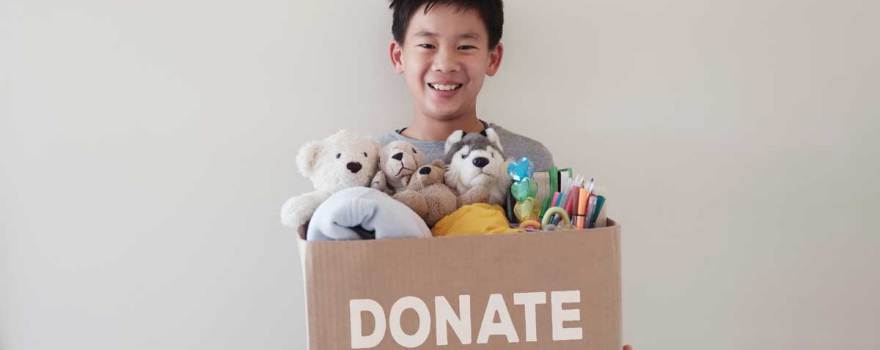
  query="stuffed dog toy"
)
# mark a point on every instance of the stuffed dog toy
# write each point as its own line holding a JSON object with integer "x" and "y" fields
{"x": 398, "y": 160}
{"x": 476, "y": 167}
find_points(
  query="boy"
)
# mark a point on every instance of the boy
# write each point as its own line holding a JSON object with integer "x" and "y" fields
{"x": 444, "y": 49}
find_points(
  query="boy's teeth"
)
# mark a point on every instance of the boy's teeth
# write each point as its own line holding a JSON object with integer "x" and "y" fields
{"x": 444, "y": 87}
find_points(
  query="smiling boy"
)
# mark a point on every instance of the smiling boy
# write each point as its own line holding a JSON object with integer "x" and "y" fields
{"x": 444, "y": 50}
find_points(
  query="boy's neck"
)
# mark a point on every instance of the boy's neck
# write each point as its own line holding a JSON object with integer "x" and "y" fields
{"x": 423, "y": 128}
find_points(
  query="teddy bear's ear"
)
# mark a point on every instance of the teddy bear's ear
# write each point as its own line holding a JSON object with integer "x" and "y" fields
{"x": 492, "y": 135}
{"x": 453, "y": 138}
{"x": 307, "y": 156}
{"x": 343, "y": 134}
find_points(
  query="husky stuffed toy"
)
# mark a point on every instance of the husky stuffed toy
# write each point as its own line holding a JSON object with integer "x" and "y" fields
{"x": 476, "y": 167}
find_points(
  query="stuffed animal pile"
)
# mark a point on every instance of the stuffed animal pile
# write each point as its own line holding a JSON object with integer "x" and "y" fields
{"x": 364, "y": 192}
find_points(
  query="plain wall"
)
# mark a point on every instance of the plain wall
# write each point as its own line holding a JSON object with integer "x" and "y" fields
{"x": 146, "y": 147}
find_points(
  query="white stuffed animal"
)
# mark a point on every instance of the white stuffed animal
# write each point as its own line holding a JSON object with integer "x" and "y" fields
{"x": 476, "y": 167}
{"x": 340, "y": 161}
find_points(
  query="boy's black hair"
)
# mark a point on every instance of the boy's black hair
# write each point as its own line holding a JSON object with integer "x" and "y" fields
{"x": 491, "y": 11}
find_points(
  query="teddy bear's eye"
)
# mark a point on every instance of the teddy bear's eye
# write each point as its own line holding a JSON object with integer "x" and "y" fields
{"x": 492, "y": 154}
{"x": 338, "y": 155}
{"x": 414, "y": 151}
{"x": 463, "y": 156}
{"x": 365, "y": 155}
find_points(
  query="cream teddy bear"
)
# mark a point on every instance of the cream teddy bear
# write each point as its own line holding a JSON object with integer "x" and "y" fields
{"x": 340, "y": 161}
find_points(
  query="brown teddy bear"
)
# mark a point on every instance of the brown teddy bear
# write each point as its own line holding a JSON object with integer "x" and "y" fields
{"x": 428, "y": 195}
{"x": 398, "y": 160}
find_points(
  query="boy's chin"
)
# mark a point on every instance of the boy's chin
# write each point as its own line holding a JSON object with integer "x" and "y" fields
{"x": 444, "y": 117}
{"x": 443, "y": 113}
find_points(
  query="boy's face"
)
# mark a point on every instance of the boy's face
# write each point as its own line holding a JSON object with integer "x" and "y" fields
{"x": 444, "y": 58}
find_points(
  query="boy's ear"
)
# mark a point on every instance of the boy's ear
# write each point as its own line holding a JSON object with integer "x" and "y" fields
{"x": 395, "y": 50}
{"x": 495, "y": 59}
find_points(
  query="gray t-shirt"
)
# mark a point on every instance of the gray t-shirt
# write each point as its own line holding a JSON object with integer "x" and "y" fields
{"x": 515, "y": 147}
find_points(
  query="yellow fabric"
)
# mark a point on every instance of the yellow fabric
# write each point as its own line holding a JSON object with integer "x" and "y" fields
{"x": 474, "y": 219}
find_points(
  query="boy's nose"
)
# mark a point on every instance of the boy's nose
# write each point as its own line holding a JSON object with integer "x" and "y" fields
{"x": 445, "y": 67}
{"x": 445, "y": 63}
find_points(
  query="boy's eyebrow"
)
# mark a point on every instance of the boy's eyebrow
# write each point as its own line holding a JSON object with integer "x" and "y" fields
{"x": 425, "y": 33}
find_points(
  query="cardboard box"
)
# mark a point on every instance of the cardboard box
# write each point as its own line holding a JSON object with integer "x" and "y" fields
{"x": 541, "y": 290}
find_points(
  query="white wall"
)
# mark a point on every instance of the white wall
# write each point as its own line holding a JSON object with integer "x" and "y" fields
{"x": 145, "y": 148}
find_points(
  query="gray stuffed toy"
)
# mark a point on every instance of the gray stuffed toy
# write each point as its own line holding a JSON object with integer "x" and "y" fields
{"x": 476, "y": 167}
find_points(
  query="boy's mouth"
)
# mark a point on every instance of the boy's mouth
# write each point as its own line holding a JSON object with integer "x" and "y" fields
{"x": 444, "y": 87}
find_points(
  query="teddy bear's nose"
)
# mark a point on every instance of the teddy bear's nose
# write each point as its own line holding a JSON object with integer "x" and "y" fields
{"x": 398, "y": 156}
{"x": 480, "y": 162}
{"x": 354, "y": 167}
{"x": 425, "y": 170}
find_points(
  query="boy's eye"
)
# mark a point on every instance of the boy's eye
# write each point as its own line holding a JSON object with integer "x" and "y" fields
{"x": 426, "y": 46}
{"x": 467, "y": 47}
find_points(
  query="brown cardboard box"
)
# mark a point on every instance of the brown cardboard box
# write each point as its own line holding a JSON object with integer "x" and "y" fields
{"x": 542, "y": 290}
